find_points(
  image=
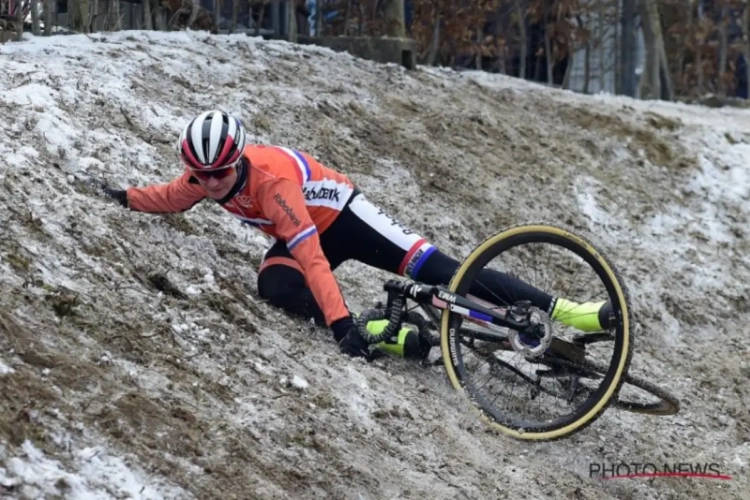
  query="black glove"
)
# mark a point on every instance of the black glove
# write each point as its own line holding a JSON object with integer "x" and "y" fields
{"x": 119, "y": 195}
{"x": 351, "y": 342}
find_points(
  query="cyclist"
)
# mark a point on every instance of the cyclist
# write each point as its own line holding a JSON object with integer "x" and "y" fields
{"x": 318, "y": 219}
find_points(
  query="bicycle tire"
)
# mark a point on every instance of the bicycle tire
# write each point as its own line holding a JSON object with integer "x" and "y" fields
{"x": 613, "y": 379}
{"x": 668, "y": 404}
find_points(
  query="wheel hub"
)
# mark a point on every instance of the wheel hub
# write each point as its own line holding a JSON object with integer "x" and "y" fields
{"x": 534, "y": 340}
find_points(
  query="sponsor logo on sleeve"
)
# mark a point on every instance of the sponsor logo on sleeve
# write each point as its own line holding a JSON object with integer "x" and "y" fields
{"x": 287, "y": 209}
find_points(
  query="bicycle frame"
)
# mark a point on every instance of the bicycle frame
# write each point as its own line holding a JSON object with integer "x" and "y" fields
{"x": 528, "y": 330}
{"x": 440, "y": 298}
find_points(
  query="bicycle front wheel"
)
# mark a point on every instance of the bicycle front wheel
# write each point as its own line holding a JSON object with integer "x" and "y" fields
{"x": 490, "y": 374}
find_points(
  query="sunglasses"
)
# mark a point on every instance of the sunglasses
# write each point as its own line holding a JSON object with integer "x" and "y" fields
{"x": 204, "y": 175}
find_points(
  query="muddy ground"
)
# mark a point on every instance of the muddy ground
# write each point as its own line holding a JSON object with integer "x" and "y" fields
{"x": 144, "y": 334}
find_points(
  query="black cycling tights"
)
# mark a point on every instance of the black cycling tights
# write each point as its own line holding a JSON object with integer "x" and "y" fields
{"x": 365, "y": 233}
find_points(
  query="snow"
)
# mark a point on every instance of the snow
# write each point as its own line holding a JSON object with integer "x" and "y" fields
{"x": 5, "y": 369}
{"x": 299, "y": 382}
{"x": 221, "y": 394}
{"x": 99, "y": 476}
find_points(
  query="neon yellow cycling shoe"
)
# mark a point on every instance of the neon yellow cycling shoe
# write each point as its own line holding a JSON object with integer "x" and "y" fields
{"x": 588, "y": 317}
{"x": 407, "y": 344}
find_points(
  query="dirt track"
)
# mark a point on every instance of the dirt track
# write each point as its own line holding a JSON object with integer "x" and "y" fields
{"x": 144, "y": 334}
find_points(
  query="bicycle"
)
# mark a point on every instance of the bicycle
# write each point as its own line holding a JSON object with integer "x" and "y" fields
{"x": 465, "y": 321}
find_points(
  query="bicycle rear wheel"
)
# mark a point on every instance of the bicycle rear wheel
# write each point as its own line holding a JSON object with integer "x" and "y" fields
{"x": 465, "y": 362}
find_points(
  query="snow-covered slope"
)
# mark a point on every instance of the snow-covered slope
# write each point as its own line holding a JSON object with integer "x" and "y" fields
{"x": 114, "y": 384}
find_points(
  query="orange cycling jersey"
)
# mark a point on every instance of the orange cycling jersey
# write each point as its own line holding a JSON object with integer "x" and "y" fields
{"x": 286, "y": 194}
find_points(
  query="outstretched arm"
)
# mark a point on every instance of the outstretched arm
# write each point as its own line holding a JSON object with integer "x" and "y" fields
{"x": 176, "y": 196}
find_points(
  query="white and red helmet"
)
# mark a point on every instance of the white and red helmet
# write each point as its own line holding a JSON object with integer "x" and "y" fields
{"x": 212, "y": 140}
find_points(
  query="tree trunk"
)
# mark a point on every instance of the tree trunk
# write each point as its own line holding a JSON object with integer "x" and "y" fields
{"x": 478, "y": 45}
{"x": 317, "y": 16}
{"x": 347, "y": 17}
{"x": 72, "y": 9}
{"x": 78, "y": 15}
{"x": 259, "y": 22}
{"x": 19, "y": 20}
{"x": 217, "y": 12}
{"x": 524, "y": 40}
{"x": 291, "y": 22}
{"x": 548, "y": 45}
{"x": 571, "y": 52}
{"x": 500, "y": 42}
{"x": 235, "y": 15}
{"x": 699, "y": 52}
{"x": 601, "y": 38}
{"x": 361, "y": 25}
{"x": 48, "y": 6}
{"x": 35, "y": 25}
{"x": 628, "y": 48}
{"x": 435, "y": 41}
{"x": 195, "y": 7}
{"x": 667, "y": 88}
{"x": 85, "y": 14}
{"x": 650, "y": 86}
{"x": 94, "y": 23}
{"x": 722, "y": 29}
{"x": 685, "y": 40}
{"x": 618, "y": 41}
{"x": 586, "y": 58}
{"x": 148, "y": 23}
{"x": 160, "y": 15}
{"x": 113, "y": 15}
{"x": 587, "y": 67}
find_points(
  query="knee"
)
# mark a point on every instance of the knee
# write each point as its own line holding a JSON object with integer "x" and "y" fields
{"x": 275, "y": 282}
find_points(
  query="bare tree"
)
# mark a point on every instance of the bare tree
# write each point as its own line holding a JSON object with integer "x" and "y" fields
{"x": 699, "y": 49}
{"x": 19, "y": 20}
{"x": 35, "y": 27}
{"x": 499, "y": 42}
{"x": 655, "y": 71}
{"x": 235, "y": 15}
{"x": 160, "y": 15}
{"x": 601, "y": 37}
{"x": 650, "y": 87}
{"x": 524, "y": 39}
{"x": 195, "y": 7}
{"x": 347, "y": 16}
{"x": 48, "y": 6}
{"x": 113, "y": 15}
{"x": 148, "y": 23}
{"x": 723, "y": 42}
{"x": 94, "y": 15}
{"x": 435, "y": 39}
{"x": 261, "y": 14}
{"x": 217, "y": 12}
{"x": 79, "y": 16}
{"x": 549, "y": 58}
{"x": 291, "y": 22}
{"x": 575, "y": 35}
